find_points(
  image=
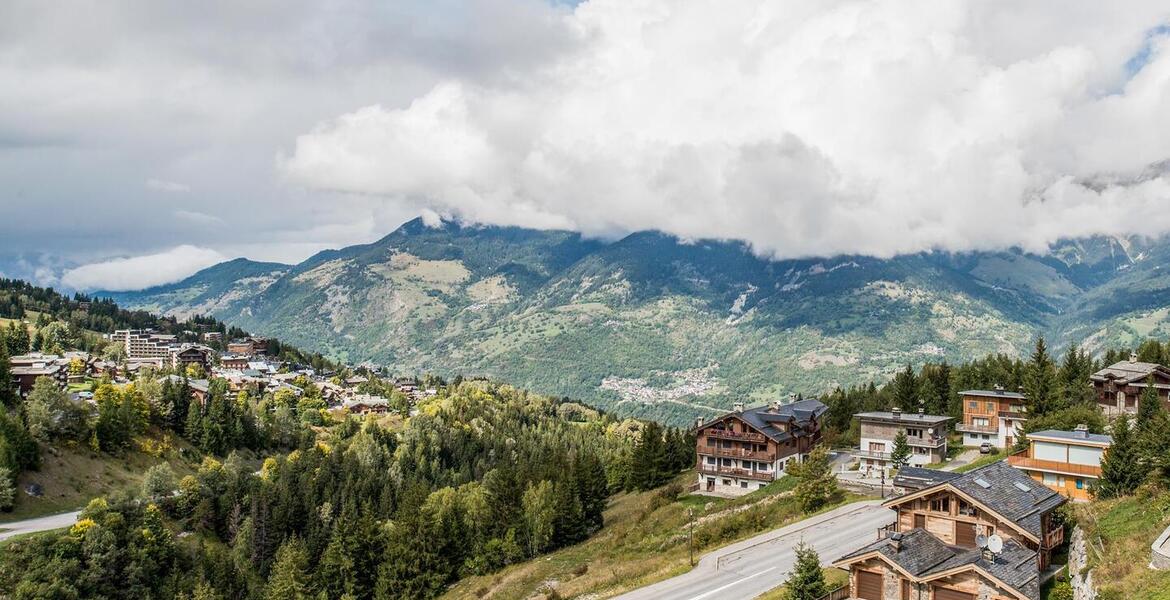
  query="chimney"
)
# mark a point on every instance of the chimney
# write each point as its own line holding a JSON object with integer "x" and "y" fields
{"x": 988, "y": 555}
{"x": 738, "y": 407}
{"x": 776, "y": 405}
{"x": 896, "y": 541}
{"x": 897, "y": 413}
{"x": 1082, "y": 430}
{"x": 1133, "y": 357}
{"x": 998, "y": 387}
{"x": 698, "y": 422}
{"x": 791, "y": 398}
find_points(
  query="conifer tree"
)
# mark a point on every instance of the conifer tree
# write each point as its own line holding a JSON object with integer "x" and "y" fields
{"x": 1151, "y": 427}
{"x": 816, "y": 484}
{"x": 806, "y": 581}
{"x": 1040, "y": 381}
{"x": 7, "y": 391}
{"x": 901, "y": 454}
{"x": 287, "y": 580}
{"x": 1121, "y": 471}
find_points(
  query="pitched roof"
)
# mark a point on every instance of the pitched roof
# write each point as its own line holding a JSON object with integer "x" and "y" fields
{"x": 1008, "y": 491}
{"x": 994, "y": 394}
{"x": 801, "y": 413}
{"x": 1128, "y": 371}
{"x": 924, "y": 556}
{"x": 916, "y": 478}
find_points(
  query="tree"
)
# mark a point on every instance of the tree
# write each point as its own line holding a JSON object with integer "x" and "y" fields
{"x": 1066, "y": 419}
{"x": 1121, "y": 472}
{"x": 806, "y": 581}
{"x": 1040, "y": 381}
{"x": 901, "y": 454}
{"x": 49, "y": 413}
{"x": 158, "y": 482}
{"x": 905, "y": 389}
{"x": 287, "y": 580}
{"x": 7, "y": 489}
{"x": 539, "y": 504}
{"x": 816, "y": 484}
{"x": 7, "y": 391}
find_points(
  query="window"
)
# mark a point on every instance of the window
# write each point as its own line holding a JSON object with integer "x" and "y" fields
{"x": 743, "y": 484}
{"x": 727, "y": 462}
{"x": 966, "y": 509}
{"x": 710, "y": 442}
{"x": 914, "y": 433}
{"x": 711, "y": 460}
{"x": 980, "y": 422}
{"x": 726, "y": 482}
{"x": 1080, "y": 483}
{"x": 973, "y": 405}
{"x": 986, "y": 436}
{"x": 990, "y": 407}
{"x": 940, "y": 505}
{"x": 760, "y": 486}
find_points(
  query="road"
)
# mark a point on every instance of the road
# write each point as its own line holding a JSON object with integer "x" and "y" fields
{"x": 57, "y": 521}
{"x": 749, "y": 568}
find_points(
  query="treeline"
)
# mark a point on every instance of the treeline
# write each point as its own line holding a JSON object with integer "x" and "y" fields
{"x": 485, "y": 476}
{"x": 63, "y": 322}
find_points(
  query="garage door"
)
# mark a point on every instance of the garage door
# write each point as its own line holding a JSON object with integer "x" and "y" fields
{"x": 869, "y": 585}
{"x": 964, "y": 534}
{"x": 942, "y": 593}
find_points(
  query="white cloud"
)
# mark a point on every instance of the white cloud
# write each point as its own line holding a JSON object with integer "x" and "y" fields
{"x": 848, "y": 126}
{"x": 168, "y": 186}
{"x": 197, "y": 217}
{"x": 138, "y": 272}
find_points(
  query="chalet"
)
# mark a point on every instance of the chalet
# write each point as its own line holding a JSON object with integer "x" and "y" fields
{"x": 745, "y": 449}
{"x": 250, "y": 346}
{"x": 233, "y": 361}
{"x": 1068, "y": 462}
{"x": 935, "y": 550}
{"x": 200, "y": 388}
{"x": 926, "y": 435}
{"x": 365, "y": 404}
{"x": 191, "y": 354}
{"x": 1119, "y": 386}
{"x": 27, "y": 368}
{"x": 993, "y": 417}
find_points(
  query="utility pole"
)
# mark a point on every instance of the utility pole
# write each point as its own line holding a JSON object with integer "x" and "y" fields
{"x": 883, "y": 483}
{"x": 690, "y": 534}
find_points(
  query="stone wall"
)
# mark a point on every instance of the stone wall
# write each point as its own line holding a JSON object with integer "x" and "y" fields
{"x": 1080, "y": 578}
{"x": 1160, "y": 551}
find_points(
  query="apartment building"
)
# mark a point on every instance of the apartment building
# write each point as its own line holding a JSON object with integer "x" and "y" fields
{"x": 744, "y": 450}
{"x": 925, "y": 434}
{"x": 994, "y": 417}
{"x": 1067, "y": 462}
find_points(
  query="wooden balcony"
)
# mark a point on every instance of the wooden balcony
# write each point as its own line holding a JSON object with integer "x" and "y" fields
{"x": 734, "y": 435}
{"x": 969, "y": 428}
{"x": 1026, "y": 463}
{"x": 1054, "y": 538}
{"x": 737, "y": 453}
{"x": 734, "y": 472}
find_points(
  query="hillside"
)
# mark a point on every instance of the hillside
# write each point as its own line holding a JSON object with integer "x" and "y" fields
{"x": 654, "y": 326}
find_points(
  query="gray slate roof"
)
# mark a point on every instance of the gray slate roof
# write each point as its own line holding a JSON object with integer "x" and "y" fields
{"x": 1127, "y": 371}
{"x": 993, "y": 394}
{"x": 923, "y": 555}
{"x": 1002, "y": 495}
{"x": 801, "y": 412}
{"x": 916, "y": 478}
{"x": 1075, "y": 436}
{"x": 910, "y": 418}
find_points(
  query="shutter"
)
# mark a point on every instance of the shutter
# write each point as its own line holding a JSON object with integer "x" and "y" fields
{"x": 869, "y": 585}
{"x": 942, "y": 593}
{"x": 920, "y": 521}
{"x": 905, "y": 589}
{"x": 964, "y": 534}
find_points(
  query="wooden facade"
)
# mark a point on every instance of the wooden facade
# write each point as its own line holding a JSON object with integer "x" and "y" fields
{"x": 1119, "y": 387}
{"x": 739, "y": 452}
{"x": 878, "y": 579}
{"x": 993, "y": 417}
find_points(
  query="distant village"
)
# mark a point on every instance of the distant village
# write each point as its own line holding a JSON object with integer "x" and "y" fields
{"x": 246, "y": 364}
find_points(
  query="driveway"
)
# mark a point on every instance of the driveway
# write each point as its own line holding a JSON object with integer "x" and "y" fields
{"x": 749, "y": 568}
{"x": 57, "y": 521}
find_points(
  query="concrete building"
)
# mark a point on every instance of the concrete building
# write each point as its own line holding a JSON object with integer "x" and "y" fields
{"x": 1067, "y": 462}
{"x": 925, "y": 434}
{"x": 994, "y": 416}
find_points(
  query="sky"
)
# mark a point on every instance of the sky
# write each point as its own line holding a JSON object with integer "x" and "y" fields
{"x": 142, "y": 141}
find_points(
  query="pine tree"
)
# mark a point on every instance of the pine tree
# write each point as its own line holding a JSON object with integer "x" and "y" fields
{"x": 1121, "y": 471}
{"x": 1040, "y": 381}
{"x": 1152, "y": 425}
{"x": 7, "y": 391}
{"x": 806, "y": 581}
{"x": 816, "y": 484}
{"x": 901, "y": 454}
{"x": 287, "y": 580}
{"x": 905, "y": 388}
{"x": 7, "y": 489}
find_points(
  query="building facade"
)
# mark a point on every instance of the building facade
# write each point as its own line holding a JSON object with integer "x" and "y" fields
{"x": 926, "y": 435}
{"x": 1067, "y": 462}
{"x": 994, "y": 417}
{"x": 936, "y": 549}
{"x": 1119, "y": 387}
{"x": 744, "y": 450}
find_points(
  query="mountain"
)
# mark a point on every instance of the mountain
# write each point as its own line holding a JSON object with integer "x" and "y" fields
{"x": 655, "y": 326}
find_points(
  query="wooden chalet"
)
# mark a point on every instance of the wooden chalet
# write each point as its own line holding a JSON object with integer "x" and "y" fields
{"x": 1119, "y": 386}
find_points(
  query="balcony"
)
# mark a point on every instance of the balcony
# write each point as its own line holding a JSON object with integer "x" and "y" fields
{"x": 734, "y": 435}
{"x": 926, "y": 442}
{"x": 734, "y": 472}
{"x": 1015, "y": 415}
{"x": 1054, "y": 538}
{"x": 737, "y": 453}
{"x": 1026, "y": 463}
{"x": 871, "y": 454}
{"x": 969, "y": 428}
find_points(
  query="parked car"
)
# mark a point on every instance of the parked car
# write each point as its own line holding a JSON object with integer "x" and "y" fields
{"x": 985, "y": 448}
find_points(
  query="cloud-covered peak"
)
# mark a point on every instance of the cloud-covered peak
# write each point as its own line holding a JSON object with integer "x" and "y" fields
{"x": 139, "y": 272}
{"x": 858, "y": 126}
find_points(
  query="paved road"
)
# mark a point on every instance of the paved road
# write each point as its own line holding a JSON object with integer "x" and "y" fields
{"x": 58, "y": 521}
{"x": 754, "y": 566}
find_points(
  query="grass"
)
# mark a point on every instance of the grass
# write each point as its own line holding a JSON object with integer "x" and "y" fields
{"x": 1120, "y": 532}
{"x": 4, "y": 543}
{"x": 834, "y": 578}
{"x": 72, "y": 474}
{"x": 644, "y": 541}
{"x": 983, "y": 461}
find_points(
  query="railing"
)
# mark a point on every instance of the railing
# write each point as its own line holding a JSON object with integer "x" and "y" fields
{"x": 735, "y": 472}
{"x": 840, "y": 593}
{"x": 1022, "y": 461}
{"x": 735, "y": 435}
{"x": 934, "y": 442}
{"x": 1054, "y": 538}
{"x": 969, "y": 428}
{"x": 859, "y": 453}
{"x": 737, "y": 453}
{"x": 884, "y": 531}
{"x": 1013, "y": 414}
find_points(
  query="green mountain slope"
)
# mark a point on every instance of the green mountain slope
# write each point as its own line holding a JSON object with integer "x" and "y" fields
{"x": 653, "y": 326}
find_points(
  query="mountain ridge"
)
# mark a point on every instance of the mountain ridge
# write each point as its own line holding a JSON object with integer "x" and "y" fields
{"x": 655, "y": 326}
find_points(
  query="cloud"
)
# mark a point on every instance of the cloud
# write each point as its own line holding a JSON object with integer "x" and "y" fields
{"x": 847, "y": 126}
{"x": 197, "y": 217}
{"x": 167, "y": 186}
{"x": 139, "y": 272}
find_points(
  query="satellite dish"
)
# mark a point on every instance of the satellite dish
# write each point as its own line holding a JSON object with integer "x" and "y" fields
{"x": 981, "y": 541}
{"x": 995, "y": 544}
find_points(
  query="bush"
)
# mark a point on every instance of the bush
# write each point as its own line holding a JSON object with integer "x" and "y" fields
{"x": 1061, "y": 591}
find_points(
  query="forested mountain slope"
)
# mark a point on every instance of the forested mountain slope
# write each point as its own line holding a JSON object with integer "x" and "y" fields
{"x": 656, "y": 326}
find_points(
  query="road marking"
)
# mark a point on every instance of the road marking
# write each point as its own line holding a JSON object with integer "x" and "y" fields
{"x": 732, "y": 584}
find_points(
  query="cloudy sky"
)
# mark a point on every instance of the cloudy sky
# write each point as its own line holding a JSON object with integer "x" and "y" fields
{"x": 140, "y": 141}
